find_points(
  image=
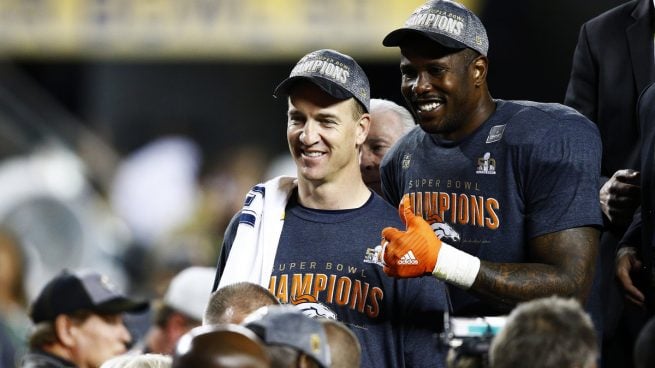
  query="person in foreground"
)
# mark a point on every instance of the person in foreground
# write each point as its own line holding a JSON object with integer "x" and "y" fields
{"x": 78, "y": 322}
{"x": 548, "y": 332}
{"x": 232, "y": 303}
{"x": 221, "y": 346}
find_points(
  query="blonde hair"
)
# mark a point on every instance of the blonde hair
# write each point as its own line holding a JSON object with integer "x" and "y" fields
{"x": 139, "y": 361}
{"x": 546, "y": 333}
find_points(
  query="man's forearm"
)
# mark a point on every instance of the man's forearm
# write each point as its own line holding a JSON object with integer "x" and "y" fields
{"x": 556, "y": 270}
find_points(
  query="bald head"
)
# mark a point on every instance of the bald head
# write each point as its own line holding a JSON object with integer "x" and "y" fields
{"x": 232, "y": 303}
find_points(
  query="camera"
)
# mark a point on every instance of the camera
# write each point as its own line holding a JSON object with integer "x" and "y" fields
{"x": 468, "y": 339}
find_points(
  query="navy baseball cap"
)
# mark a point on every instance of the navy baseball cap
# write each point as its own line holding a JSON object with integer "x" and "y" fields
{"x": 446, "y": 22}
{"x": 69, "y": 292}
{"x": 286, "y": 325}
{"x": 222, "y": 345}
{"x": 337, "y": 74}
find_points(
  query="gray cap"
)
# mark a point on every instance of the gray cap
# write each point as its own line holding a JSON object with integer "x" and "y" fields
{"x": 446, "y": 22}
{"x": 286, "y": 325}
{"x": 337, "y": 74}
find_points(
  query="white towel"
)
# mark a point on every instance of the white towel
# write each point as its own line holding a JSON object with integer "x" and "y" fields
{"x": 258, "y": 233}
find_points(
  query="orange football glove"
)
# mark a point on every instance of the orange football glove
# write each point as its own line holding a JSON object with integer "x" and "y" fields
{"x": 410, "y": 253}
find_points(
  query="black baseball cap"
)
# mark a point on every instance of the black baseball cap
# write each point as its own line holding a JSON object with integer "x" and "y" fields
{"x": 69, "y": 292}
{"x": 335, "y": 73}
{"x": 446, "y": 22}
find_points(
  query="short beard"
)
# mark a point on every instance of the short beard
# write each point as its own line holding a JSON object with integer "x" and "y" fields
{"x": 447, "y": 126}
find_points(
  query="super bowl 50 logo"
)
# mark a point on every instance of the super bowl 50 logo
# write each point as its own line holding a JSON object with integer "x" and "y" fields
{"x": 486, "y": 164}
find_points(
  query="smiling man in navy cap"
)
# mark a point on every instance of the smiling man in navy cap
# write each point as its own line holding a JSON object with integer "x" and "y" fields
{"x": 499, "y": 197}
{"x": 311, "y": 240}
{"x": 78, "y": 322}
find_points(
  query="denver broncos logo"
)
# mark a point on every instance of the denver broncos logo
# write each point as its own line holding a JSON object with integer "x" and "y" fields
{"x": 442, "y": 229}
{"x": 445, "y": 232}
{"x": 312, "y": 308}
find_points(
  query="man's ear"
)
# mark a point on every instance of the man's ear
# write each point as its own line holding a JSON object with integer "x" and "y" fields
{"x": 363, "y": 125}
{"x": 65, "y": 330}
{"x": 480, "y": 68}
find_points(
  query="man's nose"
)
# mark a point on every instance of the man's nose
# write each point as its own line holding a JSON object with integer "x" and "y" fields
{"x": 309, "y": 134}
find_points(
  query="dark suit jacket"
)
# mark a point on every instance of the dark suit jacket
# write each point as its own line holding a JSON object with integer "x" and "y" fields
{"x": 612, "y": 64}
{"x": 646, "y": 115}
{"x": 641, "y": 231}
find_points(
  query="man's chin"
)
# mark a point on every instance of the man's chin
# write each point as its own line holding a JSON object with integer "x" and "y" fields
{"x": 435, "y": 128}
{"x": 430, "y": 127}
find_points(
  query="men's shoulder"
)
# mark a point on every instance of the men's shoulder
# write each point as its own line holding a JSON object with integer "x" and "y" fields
{"x": 531, "y": 113}
{"x": 384, "y": 211}
{"x": 536, "y": 122}
{"x": 409, "y": 141}
{"x": 380, "y": 204}
{"x": 38, "y": 359}
{"x": 412, "y": 137}
{"x": 614, "y": 17}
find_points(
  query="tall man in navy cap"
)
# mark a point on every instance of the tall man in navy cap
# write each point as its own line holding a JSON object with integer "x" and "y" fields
{"x": 306, "y": 239}
{"x": 499, "y": 198}
{"x": 78, "y": 322}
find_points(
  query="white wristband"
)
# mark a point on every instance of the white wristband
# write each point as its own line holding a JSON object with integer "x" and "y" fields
{"x": 456, "y": 267}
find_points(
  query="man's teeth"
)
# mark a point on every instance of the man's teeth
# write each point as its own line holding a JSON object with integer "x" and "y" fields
{"x": 428, "y": 107}
{"x": 312, "y": 154}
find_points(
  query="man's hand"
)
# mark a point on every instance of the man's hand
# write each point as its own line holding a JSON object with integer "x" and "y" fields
{"x": 410, "y": 253}
{"x": 627, "y": 265}
{"x": 619, "y": 196}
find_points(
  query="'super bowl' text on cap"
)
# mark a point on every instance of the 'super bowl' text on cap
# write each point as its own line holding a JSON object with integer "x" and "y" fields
{"x": 337, "y": 74}
{"x": 69, "y": 292}
{"x": 447, "y": 22}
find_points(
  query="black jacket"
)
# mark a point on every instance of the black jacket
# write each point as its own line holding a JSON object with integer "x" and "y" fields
{"x": 41, "y": 359}
{"x": 641, "y": 231}
{"x": 612, "y": 64}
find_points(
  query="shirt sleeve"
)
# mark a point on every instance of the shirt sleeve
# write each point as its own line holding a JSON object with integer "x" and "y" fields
{"x": 561, "y": 176}
{"x": 228, "y": 239}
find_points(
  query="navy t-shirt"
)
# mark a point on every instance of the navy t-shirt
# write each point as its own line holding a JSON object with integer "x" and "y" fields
{"x": 529, "y": 170}
{"x": 319, "y": 266}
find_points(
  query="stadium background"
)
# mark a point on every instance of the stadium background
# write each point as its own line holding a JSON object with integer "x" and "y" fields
{"x": 128, "y": 69}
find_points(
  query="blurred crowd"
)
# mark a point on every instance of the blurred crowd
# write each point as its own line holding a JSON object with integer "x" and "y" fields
{"x": 69, "y": 200}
